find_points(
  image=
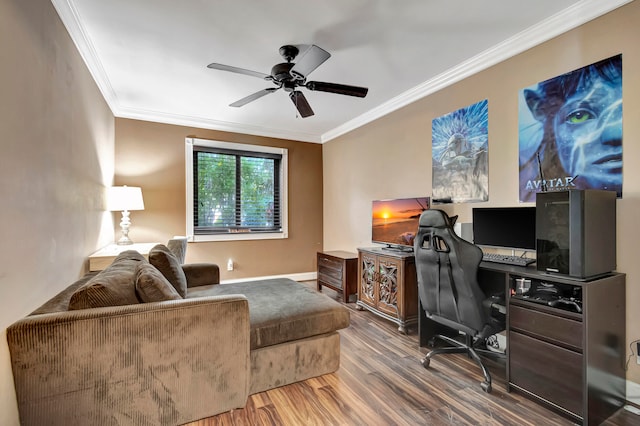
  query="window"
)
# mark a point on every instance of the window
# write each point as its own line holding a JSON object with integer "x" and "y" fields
{"x": 235, "y": 191}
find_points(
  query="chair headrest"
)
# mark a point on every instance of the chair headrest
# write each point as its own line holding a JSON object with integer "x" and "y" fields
{"x": 435, "y": 218}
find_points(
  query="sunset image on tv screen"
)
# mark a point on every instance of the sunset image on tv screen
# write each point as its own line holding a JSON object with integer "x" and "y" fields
{"x": 395, "y": 221}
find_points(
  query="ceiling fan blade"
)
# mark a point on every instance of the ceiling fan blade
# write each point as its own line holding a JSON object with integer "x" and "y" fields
{"x": 301, "y": 103}
{"x": 237, "y": 70}
{"x": 253, "y": 97}
{"x": 341, "y": 89}
{"x": 308, "y": 61}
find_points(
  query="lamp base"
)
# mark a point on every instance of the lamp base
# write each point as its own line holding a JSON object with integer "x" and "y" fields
{"x": 124, "y": 241}
{"x": 124, "y": 226}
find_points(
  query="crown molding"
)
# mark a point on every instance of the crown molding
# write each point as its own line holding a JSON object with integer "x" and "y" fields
{"x": 572, "y": 17}
{"x": 223, "y": 126}
{"x": 69, "y": 16}
{"x": 568, "y": 19}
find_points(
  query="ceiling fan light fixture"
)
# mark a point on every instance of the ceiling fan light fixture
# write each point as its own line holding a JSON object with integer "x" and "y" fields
{"x": 289, "y": 86}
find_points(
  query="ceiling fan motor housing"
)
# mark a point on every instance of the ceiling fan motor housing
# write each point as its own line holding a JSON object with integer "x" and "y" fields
{"x": 280, "y": 72}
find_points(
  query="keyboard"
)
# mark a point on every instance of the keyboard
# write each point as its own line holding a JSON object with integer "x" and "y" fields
{"x": 506, "y": 259}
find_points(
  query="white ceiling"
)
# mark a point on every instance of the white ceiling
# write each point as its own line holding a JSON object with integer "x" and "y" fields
{"x": 150, "y": 57}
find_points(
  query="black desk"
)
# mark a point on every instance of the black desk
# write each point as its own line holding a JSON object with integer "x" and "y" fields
{"x": 573, "y": 362}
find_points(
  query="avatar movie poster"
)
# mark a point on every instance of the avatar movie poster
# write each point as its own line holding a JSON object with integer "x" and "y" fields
{"x": 459, "y": 150}
{"x": 570, "y": 131}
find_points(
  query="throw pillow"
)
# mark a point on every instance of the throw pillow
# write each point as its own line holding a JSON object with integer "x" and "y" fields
{"x": 152, "y": 286}
{"x": 162, "y": 258}
{"x": 178, "y": 246}
{"x": 114, "y": 286}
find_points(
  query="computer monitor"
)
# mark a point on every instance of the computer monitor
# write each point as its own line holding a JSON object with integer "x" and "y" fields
{"x": 505, "y": 227}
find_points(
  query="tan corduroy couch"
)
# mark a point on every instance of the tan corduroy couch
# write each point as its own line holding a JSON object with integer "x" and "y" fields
{"x": 168, "y": 362}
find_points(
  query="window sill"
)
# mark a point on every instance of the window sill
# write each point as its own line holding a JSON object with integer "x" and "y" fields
{"x": 238, "y": 236}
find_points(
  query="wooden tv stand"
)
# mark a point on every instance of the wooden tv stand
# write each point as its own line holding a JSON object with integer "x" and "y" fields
{"x": 387, "y": 285}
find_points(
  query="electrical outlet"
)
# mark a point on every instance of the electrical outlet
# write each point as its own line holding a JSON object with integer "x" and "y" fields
{"x": 230, "y": 265}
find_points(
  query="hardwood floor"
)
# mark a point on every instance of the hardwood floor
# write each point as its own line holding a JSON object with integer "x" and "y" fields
{"x": 381, "y": 382}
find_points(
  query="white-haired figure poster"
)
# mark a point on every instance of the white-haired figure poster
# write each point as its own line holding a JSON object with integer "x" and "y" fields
{"x": 459, "y": 150}
{"x": 570, "y": 131}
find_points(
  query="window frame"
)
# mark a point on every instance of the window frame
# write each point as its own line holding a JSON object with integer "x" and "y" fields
{"x": 190, "y": 144}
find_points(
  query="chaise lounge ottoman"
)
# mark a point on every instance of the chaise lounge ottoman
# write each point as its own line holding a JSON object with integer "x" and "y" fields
{"x": 293, "y": 333}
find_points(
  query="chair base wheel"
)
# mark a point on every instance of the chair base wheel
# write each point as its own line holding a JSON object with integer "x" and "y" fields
{"x": 425, "y": 362}
{"x": 486, "y": 386}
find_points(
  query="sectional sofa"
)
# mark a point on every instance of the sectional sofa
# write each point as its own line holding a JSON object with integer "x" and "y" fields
{"x": 163, "y": 343}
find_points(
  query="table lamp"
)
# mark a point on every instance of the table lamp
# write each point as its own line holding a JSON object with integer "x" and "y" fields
{"x": 125, "y": 198}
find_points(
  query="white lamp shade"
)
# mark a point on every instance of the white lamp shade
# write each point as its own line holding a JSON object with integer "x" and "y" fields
{"x": 120, "y": 198}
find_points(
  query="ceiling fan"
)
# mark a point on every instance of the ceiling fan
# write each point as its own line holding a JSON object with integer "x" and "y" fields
{"x": 290, "y": 76}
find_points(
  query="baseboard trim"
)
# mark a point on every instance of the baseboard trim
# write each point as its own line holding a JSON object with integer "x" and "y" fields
{"x": 633, "y": 392}
{"x": 303, "y": 276}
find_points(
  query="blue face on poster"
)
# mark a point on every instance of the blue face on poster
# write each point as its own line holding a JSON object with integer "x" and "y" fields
{"x": 581, "y": 117}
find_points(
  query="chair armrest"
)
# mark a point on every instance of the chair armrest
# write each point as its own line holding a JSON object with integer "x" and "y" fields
{"x": 169, "y": 362}
{"x": 201, "y": 274}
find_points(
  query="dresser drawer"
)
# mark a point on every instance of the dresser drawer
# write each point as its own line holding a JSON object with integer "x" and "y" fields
{"x": 331, "y": 277}
{"x": 330, "y": 271}
{"x": 549, "y": 371}
{"x": 562, "y": 331}
{"x": 330, "y": 263}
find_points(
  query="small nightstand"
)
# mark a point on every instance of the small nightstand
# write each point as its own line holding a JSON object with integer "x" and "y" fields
{"x": 338, "y": 270}
{"x": 105, "y": 256}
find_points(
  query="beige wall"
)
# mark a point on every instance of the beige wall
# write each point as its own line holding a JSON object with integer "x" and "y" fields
{"x": 391, "y": 157}
{"x": 56, "y": 159}
{"x": 151, "y": 155}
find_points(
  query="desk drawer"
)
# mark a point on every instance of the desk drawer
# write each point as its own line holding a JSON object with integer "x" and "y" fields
{"x": 548, "y": 371}
{"x": 562, "y": 331}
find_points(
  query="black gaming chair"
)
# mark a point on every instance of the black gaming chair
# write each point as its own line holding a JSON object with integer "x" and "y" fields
{"x": 447, "y": 269}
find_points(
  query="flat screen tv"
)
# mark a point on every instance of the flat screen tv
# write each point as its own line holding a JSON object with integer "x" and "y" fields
{"x": 394, "y": 222}
{"x": 505, "y": 227}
